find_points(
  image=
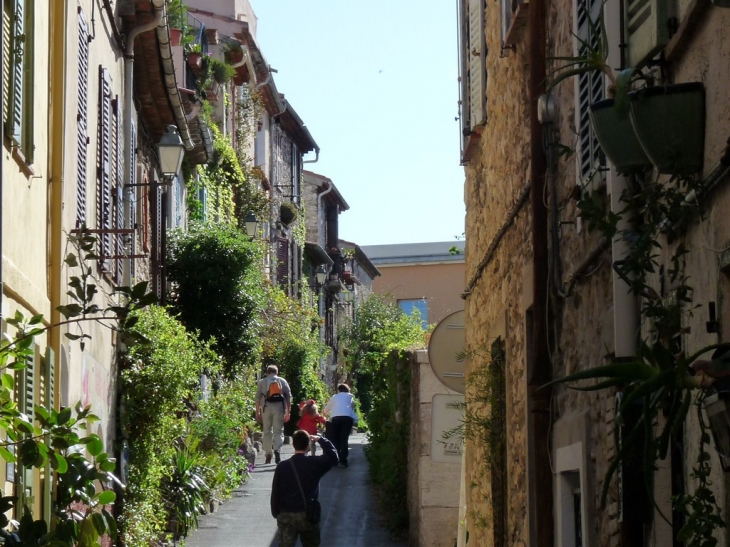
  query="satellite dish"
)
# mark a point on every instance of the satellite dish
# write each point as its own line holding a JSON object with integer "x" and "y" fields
{"x": 448, "y": 341}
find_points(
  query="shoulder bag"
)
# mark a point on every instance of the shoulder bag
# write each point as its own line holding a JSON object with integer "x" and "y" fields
{"x": 312, "y": 506}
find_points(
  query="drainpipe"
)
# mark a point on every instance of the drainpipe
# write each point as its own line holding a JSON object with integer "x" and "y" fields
{"x": 128, "y": 107}
{"x": 316, "y": 157}
{"x": 59, "y": 16}
{"x": 321, "y": 308}
{"x": 539, "y": 369}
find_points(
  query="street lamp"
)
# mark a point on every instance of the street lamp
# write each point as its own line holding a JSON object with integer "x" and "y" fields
{"x": 321, "y": 274}
{"x": 171, "y": 150}
{"x": 252, "y": 224}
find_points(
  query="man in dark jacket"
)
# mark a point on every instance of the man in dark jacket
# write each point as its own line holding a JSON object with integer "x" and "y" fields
{"x": 287, "y": 503}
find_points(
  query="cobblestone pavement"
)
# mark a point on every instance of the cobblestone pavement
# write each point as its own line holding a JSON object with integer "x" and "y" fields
{"x": 349, "y": 518}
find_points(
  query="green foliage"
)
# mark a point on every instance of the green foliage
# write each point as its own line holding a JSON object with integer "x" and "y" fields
{"x": 380, "y": 326}
{"x": 184, "y": 491}
{"x": 375, "y": 346}
{"x": 218, "y": 428}
{"x": 387, "y": 452}
{"x": 232, "y": 193}
{"x": 219, "y": 290}
{"x": 661, "y": 378}
{"x": 159, "y": 381}
{"x": 222, "y": 72}
{"x": 703, "y": 514}
{"x": 293, "y": 345}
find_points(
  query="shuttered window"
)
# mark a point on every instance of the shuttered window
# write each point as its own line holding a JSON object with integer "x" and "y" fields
{"x": 82, "y": 117}
{"x": 18, "y": 69}
{"x": 118, "y": 192}
{"x": 26, "y": 393}
{"x": 49, "y": 400}
{"x": 647, "y": 29}
{"x": 282, "y": 266}
{"x": 590, "y": 89}
{"x": 473, "y": 76}
{"x": 104, "y": 172}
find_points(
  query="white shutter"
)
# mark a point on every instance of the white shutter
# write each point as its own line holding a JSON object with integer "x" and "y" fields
{"x": 647, "y": 29}
{"x": 104, "y": 201}
{"x": 590, "y": 88}
{"x": 14, "y": 122}
{"x": 477, "y": 64}
{"x": 82, "y": 116}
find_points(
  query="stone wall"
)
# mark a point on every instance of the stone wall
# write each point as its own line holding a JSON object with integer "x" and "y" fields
{"x": 582, "y": 319}
{"x": 433, "y": 486}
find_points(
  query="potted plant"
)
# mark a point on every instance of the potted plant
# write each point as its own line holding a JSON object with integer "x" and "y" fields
{"x": 661, "y": 126}
{"x": 288, "y": 213}
{"x": 194, "y": 56}
{"x": 669, "y": 122}
{"x": 221, "y": 71}
{"x": 176, "y": 15}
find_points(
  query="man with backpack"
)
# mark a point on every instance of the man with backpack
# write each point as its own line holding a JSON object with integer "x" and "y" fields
{"x": 273, "y": 404}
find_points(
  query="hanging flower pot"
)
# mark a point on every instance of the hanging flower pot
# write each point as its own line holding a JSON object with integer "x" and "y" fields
{"x": 175, "y": 36}
{"x": 617, "y": 138}
{"x": 195, "y": 61}
{"x": 287, "y": 213}
{"x": 669, "y": 122}
{"x": 212, "y": 92}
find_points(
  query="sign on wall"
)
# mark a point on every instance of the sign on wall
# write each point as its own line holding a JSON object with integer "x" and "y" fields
{"x": 447, "y": 415}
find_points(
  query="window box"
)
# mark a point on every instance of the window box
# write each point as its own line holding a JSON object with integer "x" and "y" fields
{"x": 617, "y": 138}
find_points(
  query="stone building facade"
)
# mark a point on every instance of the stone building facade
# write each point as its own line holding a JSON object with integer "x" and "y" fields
{"x": 542, "y": 284}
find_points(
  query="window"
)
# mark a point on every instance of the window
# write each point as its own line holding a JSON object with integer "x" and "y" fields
{"x": 18, "y": 75}
{"x": 590, "y": 88}
{"x": 570, "y": 510}
{"x": 473, "y": 73}
{"x": 82, "y": 116}
{"x": 104, "y": 172}
{"x": 647, "y": 29}
{"x": 410, "y": 307}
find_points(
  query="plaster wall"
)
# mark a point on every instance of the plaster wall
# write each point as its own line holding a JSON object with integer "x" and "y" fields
{"x": 440, "y": 284}
{"x": 433, "y": 487}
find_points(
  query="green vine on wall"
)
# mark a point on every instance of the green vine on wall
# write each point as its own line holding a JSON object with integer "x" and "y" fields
{"x": 662, "y": 378}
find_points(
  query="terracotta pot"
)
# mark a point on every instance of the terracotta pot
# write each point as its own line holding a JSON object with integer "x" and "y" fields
{"x": 175, "y": 36}
{"x": 195, "y": 61}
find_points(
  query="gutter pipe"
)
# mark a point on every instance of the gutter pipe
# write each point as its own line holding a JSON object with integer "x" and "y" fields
{"x": 539, "y": 368}
{"x": 128, "y": 107}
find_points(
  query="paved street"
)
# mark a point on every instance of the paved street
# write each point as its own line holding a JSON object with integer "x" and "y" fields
{"x": 349, "y": 518}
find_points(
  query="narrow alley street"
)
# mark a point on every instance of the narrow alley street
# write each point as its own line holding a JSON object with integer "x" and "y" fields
{"x": 349, "y": 515}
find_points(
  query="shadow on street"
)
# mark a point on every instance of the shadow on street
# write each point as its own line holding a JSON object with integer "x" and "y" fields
{"x": 349, "y": 517}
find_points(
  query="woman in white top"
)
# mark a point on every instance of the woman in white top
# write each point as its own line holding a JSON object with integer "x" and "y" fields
{"x": 341, "y": 412}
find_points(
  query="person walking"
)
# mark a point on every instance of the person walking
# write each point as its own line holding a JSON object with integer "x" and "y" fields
{"x": 341, "y": 412}
{"x": 296, "y": 484}
{"x": 310, "y": 420}
{"x": 273, "y": 405}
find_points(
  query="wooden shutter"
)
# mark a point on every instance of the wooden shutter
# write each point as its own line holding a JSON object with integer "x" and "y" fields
{"x": 282, "y": 265}
{"x": 119, "y": 190}
{"x": 104, "y": 204}
{"x": 14, "y": 122}
{"x": 647, "y": 29}
{"x": 26, "y": 404}
{"x": 82, "y": 116}
{"x": 590, "y": 89}
{"x": 477, "y": 64}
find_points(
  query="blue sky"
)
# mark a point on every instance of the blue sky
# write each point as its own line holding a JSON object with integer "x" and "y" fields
{"x": 376, "y": 84}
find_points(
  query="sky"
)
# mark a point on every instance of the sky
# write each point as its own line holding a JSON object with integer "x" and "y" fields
{"x": 376, "y": 85}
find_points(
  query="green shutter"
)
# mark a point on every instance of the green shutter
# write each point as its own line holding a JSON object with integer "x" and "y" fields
{"x": 49, "y": 377}
{"x": 26, "y": 403}
{"x": 477, "y": 64}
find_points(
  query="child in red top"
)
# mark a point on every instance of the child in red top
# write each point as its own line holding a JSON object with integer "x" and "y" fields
{"x": 310, "y": 417}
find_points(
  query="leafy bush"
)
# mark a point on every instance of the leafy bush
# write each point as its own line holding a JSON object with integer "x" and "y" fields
{"x": 218, "y": 429}
{"x": 184, "y": 491}
{"x": 158, "y": 382}
{"x": 218, "y": 290}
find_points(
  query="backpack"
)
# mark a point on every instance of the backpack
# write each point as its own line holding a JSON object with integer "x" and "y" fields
{"x": 274, "y": 394}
